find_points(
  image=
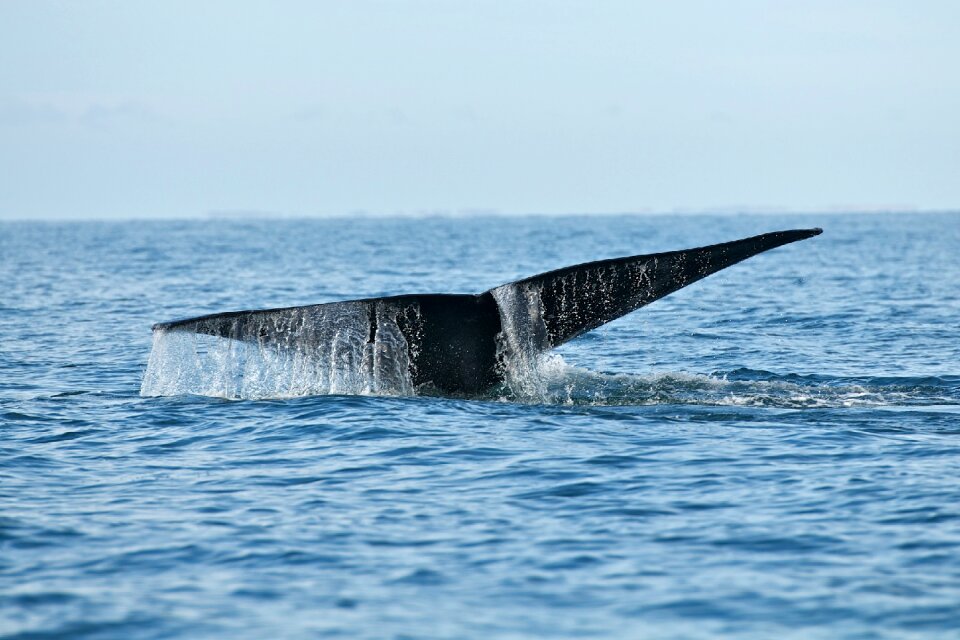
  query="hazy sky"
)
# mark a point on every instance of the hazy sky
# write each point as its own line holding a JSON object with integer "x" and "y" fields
{"x": 119, "y": 109}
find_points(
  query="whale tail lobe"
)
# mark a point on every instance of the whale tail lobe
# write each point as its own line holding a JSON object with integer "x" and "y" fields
{"x": 576, "y": 299}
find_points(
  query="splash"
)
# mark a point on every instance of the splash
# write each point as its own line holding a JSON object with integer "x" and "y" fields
{"x": 526, "y": 366}
{"x": 334, "y": 350}
{"x": 562, "y": 383}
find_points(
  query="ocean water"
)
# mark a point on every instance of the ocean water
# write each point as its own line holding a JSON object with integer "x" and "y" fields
{"x": 771, "y": 452}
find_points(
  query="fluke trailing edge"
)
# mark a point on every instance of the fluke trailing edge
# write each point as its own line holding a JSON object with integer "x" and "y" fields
{"x": 458, "y": 343}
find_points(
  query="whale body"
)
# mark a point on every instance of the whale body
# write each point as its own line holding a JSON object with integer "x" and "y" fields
{"x": 458, "y": 343}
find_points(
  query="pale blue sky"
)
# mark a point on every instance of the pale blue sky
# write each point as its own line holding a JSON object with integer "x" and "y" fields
{"x": 160, "y": 109}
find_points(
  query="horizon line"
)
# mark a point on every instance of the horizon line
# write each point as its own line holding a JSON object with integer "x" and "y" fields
{"x": 266, "y": 215}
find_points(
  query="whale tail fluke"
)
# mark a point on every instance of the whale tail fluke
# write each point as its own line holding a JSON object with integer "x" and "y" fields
{"x": 576, "y": 299}
{"x": 459, "y": 343}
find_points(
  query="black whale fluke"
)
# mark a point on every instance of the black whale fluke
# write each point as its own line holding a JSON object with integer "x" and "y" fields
{"x": 582, "y": 297}
{"x": 451, "y": 341}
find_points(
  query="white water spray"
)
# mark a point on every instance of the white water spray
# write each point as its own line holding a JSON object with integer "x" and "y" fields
{"x": 306, "y": 351}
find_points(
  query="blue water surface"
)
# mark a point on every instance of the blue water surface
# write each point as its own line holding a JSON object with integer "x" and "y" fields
{"x": 771, "y": 452}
